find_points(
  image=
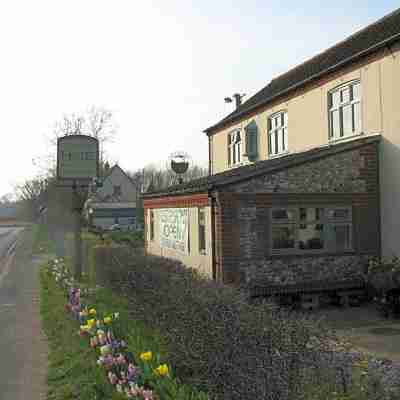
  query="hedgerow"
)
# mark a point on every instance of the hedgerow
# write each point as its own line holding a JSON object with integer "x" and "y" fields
{"x": 217, "y": 340}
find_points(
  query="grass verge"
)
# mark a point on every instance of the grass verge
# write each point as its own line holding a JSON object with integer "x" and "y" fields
{"x": 73, "y": 371}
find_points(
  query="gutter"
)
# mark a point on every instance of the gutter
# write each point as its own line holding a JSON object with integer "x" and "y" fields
{"x": 386, "y": 42}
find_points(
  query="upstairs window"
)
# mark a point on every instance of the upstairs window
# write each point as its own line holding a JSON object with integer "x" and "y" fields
{"x": 298, "y": 230}
{"x": 345, "y": 111}
{"x": 234, "y": 148}
{"x": 278, "y": 133}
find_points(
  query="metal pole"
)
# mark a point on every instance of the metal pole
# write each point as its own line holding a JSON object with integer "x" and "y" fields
{"x": 77, "y": 233}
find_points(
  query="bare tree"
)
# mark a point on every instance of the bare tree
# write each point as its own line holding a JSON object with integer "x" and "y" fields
{"x": 6, "y": 198}
{"x": 97, "y": 122}
{"x": 31, "y": 194}
{"x": 152, "y": 178}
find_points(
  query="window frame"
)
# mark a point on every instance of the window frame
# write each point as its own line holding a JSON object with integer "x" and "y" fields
{"x": 351, "y": 102}
{"x": 298, "y": 224}
{"x": 235, "y": 148}
{"x": 202, "y": 250}
{"x": 275, "y": 130}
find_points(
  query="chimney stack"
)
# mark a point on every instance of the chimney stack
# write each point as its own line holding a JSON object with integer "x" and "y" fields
{"x": 238, "y": 99}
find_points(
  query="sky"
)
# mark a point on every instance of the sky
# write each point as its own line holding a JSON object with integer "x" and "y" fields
{"x": 162, "y": 67}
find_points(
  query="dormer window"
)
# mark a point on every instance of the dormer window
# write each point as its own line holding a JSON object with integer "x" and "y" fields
{"x": 234, "y": 148}
{"x": 278, "y": 133}
{"x": 345, "y": 111}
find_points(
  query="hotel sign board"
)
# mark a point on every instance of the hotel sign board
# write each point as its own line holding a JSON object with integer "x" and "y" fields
{"x": 174, "y": 229}
{"x": 77, "y": 158}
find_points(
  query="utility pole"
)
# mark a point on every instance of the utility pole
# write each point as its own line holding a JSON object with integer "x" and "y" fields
{"x": 77, "y": 206}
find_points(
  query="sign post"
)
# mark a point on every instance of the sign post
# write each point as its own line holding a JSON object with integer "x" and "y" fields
{"x": 77, "y": 166}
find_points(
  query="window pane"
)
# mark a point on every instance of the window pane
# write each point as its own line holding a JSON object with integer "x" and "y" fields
{"x": 285, "y": 119}
{"x": 345, "y": 95}
{"x": 347, "y": 120}
{"x": 335, "y": 99}
{"x": 339, "y": 213}
{"x": 335, "y": 121}
{"x": 279, "y": 214}
{"x": 277, "y": 121}
{"x": 311, "y": 237}
{"x": 357, "y": 117}
{"x": 280, "y": 140}
{"x": 356, "y": 91}
{"x": 342, "y": 237}
{"x": 283, "y": 237}
{"x": 339, "y": 237}
{"x": 285, "y": 139}
{"x": 311, "y": 214}
{"x": 275, "y": 142}
{"x": 269, "y": 144}
{"x": 238, "y": 151}
{"x": 238, "y": 137}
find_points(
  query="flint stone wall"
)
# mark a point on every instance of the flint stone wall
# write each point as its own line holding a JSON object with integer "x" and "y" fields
{"x": 352, "y": 172}
{"x": 340, "y": 173}
{"x": 298, "y": 270}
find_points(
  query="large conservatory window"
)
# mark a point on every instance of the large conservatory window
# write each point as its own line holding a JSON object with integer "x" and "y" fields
{"x": 311, "y": 229}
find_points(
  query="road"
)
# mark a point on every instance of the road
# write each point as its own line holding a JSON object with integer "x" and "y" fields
{"x": 20, "y": 333}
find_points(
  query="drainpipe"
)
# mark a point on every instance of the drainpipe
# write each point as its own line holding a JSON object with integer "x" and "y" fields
{"x": 213, "y": 236}
{"x": 215, "y": 263}
{"x": 209, "y": 155}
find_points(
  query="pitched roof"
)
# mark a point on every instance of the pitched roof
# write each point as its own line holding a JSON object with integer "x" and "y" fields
{"x": 375, "y": 36}
{"x": 260, "y": 168}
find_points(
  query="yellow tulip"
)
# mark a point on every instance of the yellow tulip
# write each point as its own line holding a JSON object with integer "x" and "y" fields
{"x": 107, "y": 320}
{"x": 147, "y": 356}
{"x": 162, "y": 370}
{"x": 91, "y": 322}
{"x": 92, "y": 311}
{"x": 85, "y": 328}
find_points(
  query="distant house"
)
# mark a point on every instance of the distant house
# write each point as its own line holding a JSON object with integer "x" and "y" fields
{"x": 114, "y": 202}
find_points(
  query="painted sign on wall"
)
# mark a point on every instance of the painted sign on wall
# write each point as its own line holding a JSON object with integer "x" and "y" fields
{"x": 174, "y": 229}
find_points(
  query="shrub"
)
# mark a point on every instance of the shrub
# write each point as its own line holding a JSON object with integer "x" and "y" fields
{"x": 217, "y": 340}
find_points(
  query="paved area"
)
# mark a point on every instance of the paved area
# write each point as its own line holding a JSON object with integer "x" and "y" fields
{"x": 23, "y": 350}
{"x": 366, "y": 329}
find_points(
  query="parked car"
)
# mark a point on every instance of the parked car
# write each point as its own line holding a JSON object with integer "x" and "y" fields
{"x": 115, "y": 227}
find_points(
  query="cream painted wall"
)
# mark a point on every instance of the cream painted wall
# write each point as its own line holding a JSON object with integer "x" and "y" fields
{"x": 308, "y": 124}
{"x": 308, "y": 127}
{"x": 200, "y": 262}
{"x": 390, "y": 155}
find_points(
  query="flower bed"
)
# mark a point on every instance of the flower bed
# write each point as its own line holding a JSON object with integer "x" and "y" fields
{"x": 135, "y": 373}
